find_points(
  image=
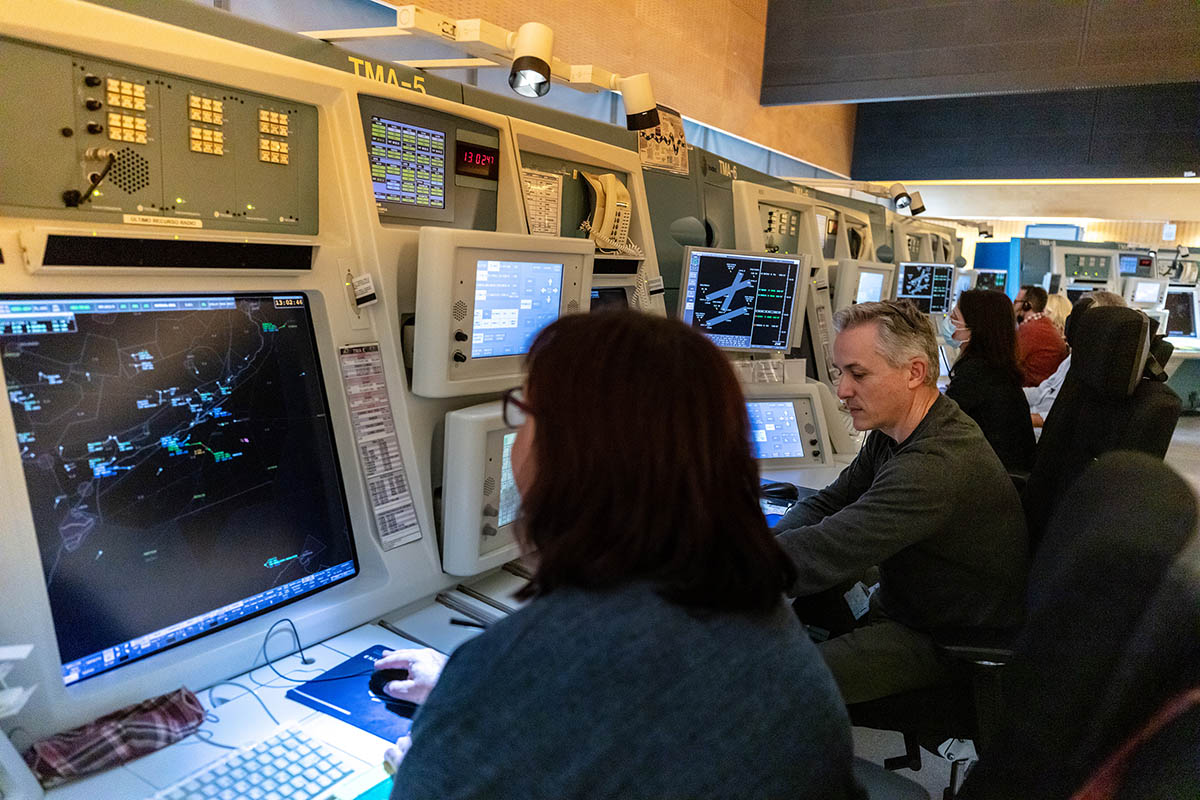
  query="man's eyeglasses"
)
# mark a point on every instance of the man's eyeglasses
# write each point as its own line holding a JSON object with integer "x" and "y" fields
{"x": 514, "y": 409}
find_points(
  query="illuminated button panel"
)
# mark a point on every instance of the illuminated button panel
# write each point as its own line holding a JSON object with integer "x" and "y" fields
{"x": 273, "y": 123}
{"x": 206, "y": 140}
{"x": 126, "y": 128}
{"x": 206, "y": 110}
{"x": 126, "y": 94}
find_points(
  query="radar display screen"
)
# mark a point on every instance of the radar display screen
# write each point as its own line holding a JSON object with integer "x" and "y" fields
{"x": 930, "y": 286}
{"x": 179, "y": 462}
{"x": 742, "y": 302}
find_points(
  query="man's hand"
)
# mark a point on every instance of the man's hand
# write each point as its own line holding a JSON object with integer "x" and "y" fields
{"x": 424, "y": 667}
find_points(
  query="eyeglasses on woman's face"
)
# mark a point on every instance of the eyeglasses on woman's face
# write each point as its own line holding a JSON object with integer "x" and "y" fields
{"x": 514, "y": 409}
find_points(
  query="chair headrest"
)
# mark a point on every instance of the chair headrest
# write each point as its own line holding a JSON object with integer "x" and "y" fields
{"x": 1111, "y": 346}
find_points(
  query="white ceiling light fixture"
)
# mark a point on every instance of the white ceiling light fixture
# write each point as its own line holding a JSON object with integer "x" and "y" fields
{"x": 526, "y": 52}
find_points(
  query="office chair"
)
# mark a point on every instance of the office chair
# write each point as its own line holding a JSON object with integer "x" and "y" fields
{"x": 1112, "y": 634}
{"x": 1137, "y": 529}
{"x": 1105, "y": 404}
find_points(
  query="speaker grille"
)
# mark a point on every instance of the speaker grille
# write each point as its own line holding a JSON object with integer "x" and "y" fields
{"x": 572, "y": 306}
{"x": 489, "y": 486}
{"x": 460, "y": 310}
{"x": 130, "y": 173}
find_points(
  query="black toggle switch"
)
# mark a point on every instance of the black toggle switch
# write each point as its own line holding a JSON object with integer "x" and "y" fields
{"x": 91, "y": 80}
{"x": 92, "y": 104}
{"x": 95, "y": 127}
{"x": 459, "y": 336}
{"x": 458, "y": 356}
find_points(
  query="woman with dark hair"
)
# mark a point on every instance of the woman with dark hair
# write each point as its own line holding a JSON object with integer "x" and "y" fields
{"x": 656, "y": 657}
{"x": 986, "y": 379}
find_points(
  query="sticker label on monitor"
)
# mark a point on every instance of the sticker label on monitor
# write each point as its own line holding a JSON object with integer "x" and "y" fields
{"x": 378, "y": 445}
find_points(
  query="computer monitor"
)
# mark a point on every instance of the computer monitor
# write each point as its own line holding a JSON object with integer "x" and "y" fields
{"x": 787, "y": 426}
{"x": 1139, "y": 265}
{"x": 1145, "y": 292}
{"x": 609, "y": 297}
{"x": 930, "y": 286}
{"x": 479, "y": 496}
{"x": 1062, "y": 233}
{"x": 862, "y": 282}
{"x": 1181, "y": 305}
{"x": 991, "y": 279}
{"x": 161, "y": 440}
{"x": 481, "y": 299}
{"x": 743, "y": 301}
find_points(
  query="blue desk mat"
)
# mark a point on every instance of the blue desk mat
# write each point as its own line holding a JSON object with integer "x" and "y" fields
{"x": 343, "y": 693}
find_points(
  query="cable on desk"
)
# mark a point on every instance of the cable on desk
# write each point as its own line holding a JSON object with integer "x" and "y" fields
{"x": 206, "y": 736}
{"x": 303, "y": 659}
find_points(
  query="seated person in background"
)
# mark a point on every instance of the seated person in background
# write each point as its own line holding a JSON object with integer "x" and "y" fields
{"x": 1041, "y": 397}
{"x": 1040, "y": 346}
{"x": 926, "y": 499}
{"x": 985, "y": 381}
{"x": 1058, "y": 308}
{"x": 657, "y": 657}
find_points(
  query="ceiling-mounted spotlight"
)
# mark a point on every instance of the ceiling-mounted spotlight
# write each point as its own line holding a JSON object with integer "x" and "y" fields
{"x": 533, "y": 47}
{"x": 641, "y": 112}
{"x": 916, "y": 205}
{"x": 986, "y": 231}
{"x": 900, "y": 196}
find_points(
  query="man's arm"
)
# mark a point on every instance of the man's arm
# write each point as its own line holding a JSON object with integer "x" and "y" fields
{"x": 911, "y": 498}
{"x": 845, "y": 489}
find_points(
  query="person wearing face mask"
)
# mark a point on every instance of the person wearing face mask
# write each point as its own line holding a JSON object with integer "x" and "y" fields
{"x": 656, "y": 656}
{"x": 985, "y": 380}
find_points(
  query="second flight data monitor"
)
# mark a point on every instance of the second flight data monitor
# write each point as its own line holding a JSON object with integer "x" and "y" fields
{"x": 930, "y": 286}
{"x": 513, "y": 301}
{"x": 742, "y": 302}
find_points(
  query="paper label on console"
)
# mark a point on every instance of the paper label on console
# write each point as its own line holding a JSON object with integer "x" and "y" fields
{"x": 664, "y": 146}
{"x": 543, "y": 201}
{"x": 169, "y": 222}
{"x": 378, "y": 445}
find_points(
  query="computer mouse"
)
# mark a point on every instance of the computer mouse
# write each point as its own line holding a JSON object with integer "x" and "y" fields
{"x": 381, "y": 678}
{"x": 779, "y": 490}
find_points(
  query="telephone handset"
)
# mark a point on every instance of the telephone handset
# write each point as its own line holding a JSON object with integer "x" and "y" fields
{"x": 612, "y": 211}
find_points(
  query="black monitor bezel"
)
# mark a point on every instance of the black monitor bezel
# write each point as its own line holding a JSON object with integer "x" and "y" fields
{"x": 341, "y": 481}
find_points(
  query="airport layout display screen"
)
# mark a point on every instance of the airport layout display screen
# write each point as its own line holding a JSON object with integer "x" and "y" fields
{"x": 514, "y": 300}
{"x": 408, "y": 163}
{"x": 1181, "y": 314}
{"x": 179, "y": 463}
{"x": 774, "y": 429}
{"x": 741, "y": 302}
{"x": 510, "y": 500}
{"x": 991, "y": 280}
{"x": 870, "y": 286}
{"x": 930, "y": 286}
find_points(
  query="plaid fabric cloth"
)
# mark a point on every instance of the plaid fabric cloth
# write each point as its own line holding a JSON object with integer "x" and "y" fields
{"x": 115, "y": 738}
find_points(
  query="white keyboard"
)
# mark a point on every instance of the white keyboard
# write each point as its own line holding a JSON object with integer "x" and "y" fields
{"x": 290, "y": 765}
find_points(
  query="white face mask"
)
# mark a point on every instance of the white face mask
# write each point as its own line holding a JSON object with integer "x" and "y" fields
{"x": 948, "y": 330}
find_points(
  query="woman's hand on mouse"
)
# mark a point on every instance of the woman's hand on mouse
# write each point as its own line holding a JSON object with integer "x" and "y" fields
{"x": 424, "y": 667}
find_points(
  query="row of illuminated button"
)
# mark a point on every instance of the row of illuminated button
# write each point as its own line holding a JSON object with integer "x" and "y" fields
{"x": 272, "y": 122}
{"x": 203, "y": 140}
{"x": 126, "y": 94}
{"x": 126, "y": 128}
{"x": 272, "y": 152}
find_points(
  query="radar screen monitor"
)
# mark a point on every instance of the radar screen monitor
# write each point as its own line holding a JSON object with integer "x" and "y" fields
{"x": 482, "y": 297}
{"x": 862, "y": 282}
{"x": 479, "y": 496}
{"x": 787, "y": 426}
{"x": 1181, "y": 308}
{"x": 1145, "y": 292}
{"x": 743, "y": 301}
{"x": 160, "y": 438}
{"x": 930, "y": 286}
{"x": 989, "y": 279}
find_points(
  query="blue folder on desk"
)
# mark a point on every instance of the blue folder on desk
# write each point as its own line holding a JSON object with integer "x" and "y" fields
{"x": 343, "y": 694}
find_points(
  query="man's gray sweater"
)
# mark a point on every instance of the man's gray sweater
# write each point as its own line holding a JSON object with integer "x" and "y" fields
{"x": 938, "y": 514}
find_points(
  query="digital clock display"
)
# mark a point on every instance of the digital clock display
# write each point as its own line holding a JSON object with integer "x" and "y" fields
{"x": 478, "y": 161}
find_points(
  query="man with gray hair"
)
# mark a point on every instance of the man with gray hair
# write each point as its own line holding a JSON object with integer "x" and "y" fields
{"x": 926, "y": 500}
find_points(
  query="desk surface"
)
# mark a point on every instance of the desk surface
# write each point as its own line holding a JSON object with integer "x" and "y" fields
{"x": 236, "y": 718}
